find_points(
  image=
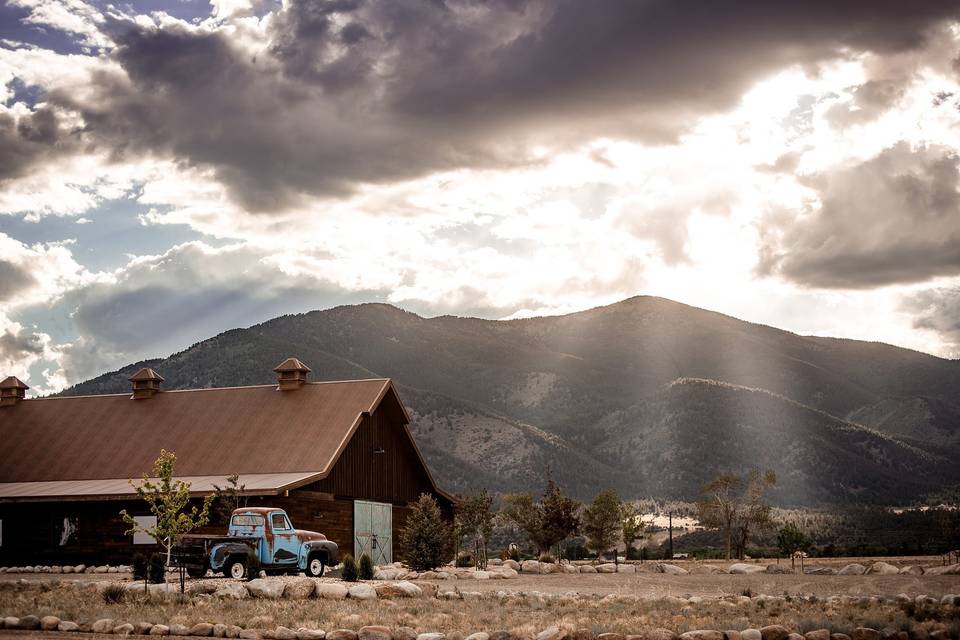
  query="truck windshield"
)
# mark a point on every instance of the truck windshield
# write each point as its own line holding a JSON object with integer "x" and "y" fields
{"x": 246, "y": 521}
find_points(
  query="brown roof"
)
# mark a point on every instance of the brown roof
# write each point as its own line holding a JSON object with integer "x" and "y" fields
{"x": 12, "y": 382}
{"x": 214, "y": 432}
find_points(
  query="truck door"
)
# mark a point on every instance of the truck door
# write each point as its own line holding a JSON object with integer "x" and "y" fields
{"x": 284, "y": 544}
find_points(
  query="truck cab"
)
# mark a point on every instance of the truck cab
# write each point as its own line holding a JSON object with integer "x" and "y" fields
{"x": 258, "y": 538}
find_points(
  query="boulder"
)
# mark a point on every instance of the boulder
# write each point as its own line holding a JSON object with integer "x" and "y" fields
{"x": 202, "y": 629}
{"x": 310, "y": 634}
{"x": 852, "y": 570}
{"x": 530, "y": 566}
{"x": 232, "y": 591}
{"x": 124, "y": 629}
{"x": 400, "y": 589}
{"x": 233, "y": 631}
{"x": 818, "y": 634}
{"x": 566, "y": 567}
{"x": 660, "y": 634}
{"x": 104, "y": 625}
{"x": 670, "y": 569}
{"x": 263, "y": 588}
{"x": 703, "y": 634}
{"x": 250, "y": 634}
{"x": 507, "y": 572}
{"x": 31, "y": 623}
{"x": 513, "y": 564}
{"x": 948, "y": 570}
{"x": 883, "y": 569}
{"x": 362, "y": 592}
{"x": 179, "y": 630}
{"x": 284, "y": 633}
{"x": 626, "y": 568}
{"x": 68, "y": 626}
{"x": 374, "y": 632}
{"x": 404, "y": 633}
{"x": 552, "y": 633}
{"x": 610, "y": 636}
{"x": 482, "y": 575}
{"x": 11, "y": 622}
{"x": 49, "y": 623}
{"x": 548, "y": 567}
{"x": 480, "y": 635}
{"x": 160, "y": 630}
{"x": 431, "y": 636}
{"x": 752, "y": 634}
{"x": 331, "y": 591}
{"x": 778, "y": 569}
{"x": 608, "y": 567}
{"x": 950, "y": 600}
{"x": 388, "y": 573}
{"x": 741, "y": 568}
{"x": 101, "y": 569}
{"x": 912, "y": 570}
{"x": 587, "y": 568}
{"x": 820, "y": 571}
{"x": 299, "y": 589}
{"x": 865, "y": 633}
{"x": 774, "y": 632}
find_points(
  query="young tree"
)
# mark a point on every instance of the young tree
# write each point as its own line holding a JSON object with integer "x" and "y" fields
{"x": 721, "y": 507}
{"x": 168, "y": 499}
{"x": 425, "y": 537}
{"x": 754, "y": 515}
{"x": 228, "y": 499}
{"x": 561, "y": 514}
{"x": 791, "y": 539}
{"x": 474, "y": 520}
{"x": 602, "y": 521}
{"x": 631, "y": 528}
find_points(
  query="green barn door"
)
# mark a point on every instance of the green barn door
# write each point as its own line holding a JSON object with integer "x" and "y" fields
{"x": 373, "y": 531}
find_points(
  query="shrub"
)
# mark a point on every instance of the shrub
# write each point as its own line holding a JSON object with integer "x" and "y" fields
{"x": 546, "y": 557}
{"x": 426, "y": 537}
{"x": 114, "y": 593}
{"x": 350, "y": 571}
{"x": 366, "y": 567}
{"x": 156, "y": 569}
{"x": 139, "y": 566}
{"x": 465, "y": 559}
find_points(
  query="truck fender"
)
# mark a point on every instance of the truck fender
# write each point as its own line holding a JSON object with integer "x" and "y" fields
{"x": 225, "y": 550}
{"x": 325, "y": 547}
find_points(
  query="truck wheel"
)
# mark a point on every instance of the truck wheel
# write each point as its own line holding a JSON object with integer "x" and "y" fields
{"x": 236, "y": 569}
{"x": 315, "y": 567}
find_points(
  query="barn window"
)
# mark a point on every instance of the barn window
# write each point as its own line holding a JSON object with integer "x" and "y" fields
{"x": 144, "y": 522}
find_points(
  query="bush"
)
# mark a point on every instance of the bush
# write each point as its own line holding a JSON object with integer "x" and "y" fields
{"x": 546, "y": 557}
{"x": 139, "y": 566}
{"x": 156, "y": 569}
{"x": 426, "y": 537}
{"x": 465, "y": 559}
{"x": 366, "y": 567}
{"x": 350, "y": 571}
{"x": 114, "y": 593}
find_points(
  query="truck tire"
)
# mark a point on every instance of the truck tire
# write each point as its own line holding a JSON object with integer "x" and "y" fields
{"x": 235, "y": 568}
{"x": 315, "y": 566}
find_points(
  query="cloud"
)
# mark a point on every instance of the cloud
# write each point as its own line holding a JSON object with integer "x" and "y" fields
{"x": 892, "y": 219}
{"x": 14, "y": 278}
{"x": 937, "y": 310}
{"x": 352, "y": 92}
{"x": 71, "y": 16}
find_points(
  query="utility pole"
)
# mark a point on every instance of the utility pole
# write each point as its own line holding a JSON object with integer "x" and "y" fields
{"x": 670, "y": 548}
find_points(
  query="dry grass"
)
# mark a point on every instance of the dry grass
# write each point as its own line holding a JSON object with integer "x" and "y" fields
{"x": 524, "y": 616}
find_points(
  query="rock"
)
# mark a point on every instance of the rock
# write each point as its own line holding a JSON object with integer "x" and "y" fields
{"x": 310, "y": 634}
{"x": 29, "y": 622}
{"x": 703, "y": 634}
{"x": 925, "y": 601}
{"x": 660, "y": 634}
{"x": 778, "y": 569}
{"x": 233, "y": 591}
{"x": 610, "y": 636}
{"x": 548, "y": 567}
{"x": 179, "y": 630}
{"x": 233, "y": 631}
{"x": 404, "y": 633}
{"x": 741, "y": 568}
{"x": 480, "y": 635}
{"x": 774, "y": 632}
{"x": 388, "y": 573}
{"x": 865, "y": 633}
{"x": 100, "y": 569}
{"x": 950, "y": 599}
{"x": 362, "y": 592}
{"x": 202, "y": 629}
{"x": 552, "y": 633}
{"x": 162, "y": 590}
{"x": 283, "y": 633}
{"x": 263, "y": 588}
{"x": 608, "y": 567}
{"x": 513, "y": 564}
{"x": 883, "y": 569}
{"x": 670, "y": 569}
{"x": 507, "y": 572}
{"x": 374, "y": 632}
{"x": 342, "y": 634}
{"x": 331, "y": 591}
{"x": 49, "y": 623}
{"x": 819, "y": 634}
{"x": 626, "y": 568}
{"x": 250, "y": 634}
{"x": 852, "y": 570}
{"x": 566, "y": 567}
{"x": 160, "y": 630}
{"x": 820, "y": 571}
{"x": 299, "y": 589}
{"x": 68, "y": 626}
{"x": 401, "y": 589}
{"x": 587, "y": 568}
{"x": 752, "y": 634}
{"x": 11, "y": 622}
{"x": 912, "y": 570}
{"x": 124, "y": 629}
{"x": 948, "y": 570}
{"x": 104, "y": 625}
{"x": 530, "y": 566}
{"x": 482, "y": 575}
{"x": 839, "y": 636}
{"x": 431, "y": 636}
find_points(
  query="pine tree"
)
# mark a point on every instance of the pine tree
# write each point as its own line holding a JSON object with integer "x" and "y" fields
{"x": 602, "y": 522}
{"x": 425, "y": 536}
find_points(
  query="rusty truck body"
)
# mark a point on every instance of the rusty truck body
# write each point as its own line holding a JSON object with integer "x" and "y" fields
{"x": 258, "y": 538}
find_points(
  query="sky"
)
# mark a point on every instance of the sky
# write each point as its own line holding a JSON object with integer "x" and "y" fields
{"x": 171, "y": 170}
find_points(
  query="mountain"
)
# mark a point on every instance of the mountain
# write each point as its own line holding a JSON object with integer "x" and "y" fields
{"x": 621, "y": 396}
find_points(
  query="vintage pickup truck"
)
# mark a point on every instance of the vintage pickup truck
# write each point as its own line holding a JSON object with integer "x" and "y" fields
{"x": 258, "y": 539}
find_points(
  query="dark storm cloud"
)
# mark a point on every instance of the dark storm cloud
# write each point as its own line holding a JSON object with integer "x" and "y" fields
{"x": 14, "y": 346}
{"x": 892, "y": 219}
{"x": 28, "y": 140}
{"x": 353, "y": 91}
{"x": 13, "y": 279}
{"x": 937, "y": 310}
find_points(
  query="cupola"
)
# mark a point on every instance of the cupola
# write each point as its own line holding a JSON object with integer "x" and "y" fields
{"x": 291, "y": 374}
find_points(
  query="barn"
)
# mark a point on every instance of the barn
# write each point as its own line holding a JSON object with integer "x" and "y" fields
{"x": 337, "y": 456}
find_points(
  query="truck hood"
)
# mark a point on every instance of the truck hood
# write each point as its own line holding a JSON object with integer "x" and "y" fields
{"x": 308, "y": 536}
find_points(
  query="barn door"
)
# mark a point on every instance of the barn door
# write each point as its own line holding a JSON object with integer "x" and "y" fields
{"x": 373, "y": 531}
